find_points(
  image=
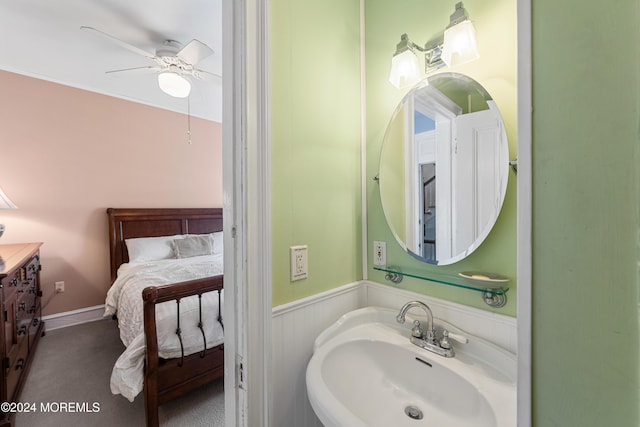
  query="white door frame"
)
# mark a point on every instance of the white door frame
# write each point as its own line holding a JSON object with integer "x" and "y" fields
{"x": 524, "y": 216}
{"x": 247, "y": 212}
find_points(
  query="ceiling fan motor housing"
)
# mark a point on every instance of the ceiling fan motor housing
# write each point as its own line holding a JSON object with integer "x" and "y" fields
{"x": 169, "y": 48}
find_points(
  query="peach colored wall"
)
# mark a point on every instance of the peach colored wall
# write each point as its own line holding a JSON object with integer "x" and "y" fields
{"x": 68, "y": 154}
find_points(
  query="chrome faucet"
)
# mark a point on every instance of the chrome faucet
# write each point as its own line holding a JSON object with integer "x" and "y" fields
{"x": 430, "y": 333}
{"x": 426, "y": 339}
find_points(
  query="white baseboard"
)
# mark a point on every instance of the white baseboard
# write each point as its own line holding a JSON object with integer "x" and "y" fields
{"x": 73, "y": 317}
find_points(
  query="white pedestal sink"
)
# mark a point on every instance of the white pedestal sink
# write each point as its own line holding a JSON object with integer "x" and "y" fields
{"x": 365, "y": 372}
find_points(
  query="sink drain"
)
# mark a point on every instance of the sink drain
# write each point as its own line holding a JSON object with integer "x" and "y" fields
{"x": 413, "y": 412}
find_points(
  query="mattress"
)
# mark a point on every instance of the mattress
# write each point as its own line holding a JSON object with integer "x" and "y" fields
{"x": 125, "y": 300}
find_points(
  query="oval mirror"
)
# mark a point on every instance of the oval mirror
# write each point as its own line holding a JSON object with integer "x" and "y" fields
{"x": 443, "y": 168}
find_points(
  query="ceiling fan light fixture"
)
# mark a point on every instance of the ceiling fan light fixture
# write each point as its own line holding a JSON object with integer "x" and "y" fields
{"x": 174, "y": 84}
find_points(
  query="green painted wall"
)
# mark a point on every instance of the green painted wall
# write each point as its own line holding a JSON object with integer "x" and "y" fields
{"x": 586, "y": 223}
{"x": 495, "y": 22}
{"x": 586, "y": 178}
{"x": 315, "y": 134}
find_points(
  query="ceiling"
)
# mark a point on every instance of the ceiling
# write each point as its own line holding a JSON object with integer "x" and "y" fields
{"x": 43, "y": 40}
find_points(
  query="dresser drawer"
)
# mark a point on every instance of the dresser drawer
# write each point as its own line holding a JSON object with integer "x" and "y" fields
{"x": 22, "y": 277}
{"x": 22, "y": 330}
{"x": 20, "y": 335}
{"x": 21, "y": 317}
{"x": 35, "y": 328}
{"x": 16, "y": 366}
{"x": 32, "y": 268}
{"x": 26, "y": 305}
{"x": 11, "y": 283}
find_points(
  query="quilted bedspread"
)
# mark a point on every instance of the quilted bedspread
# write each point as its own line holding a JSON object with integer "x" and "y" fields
{"x": 125, "y": 300}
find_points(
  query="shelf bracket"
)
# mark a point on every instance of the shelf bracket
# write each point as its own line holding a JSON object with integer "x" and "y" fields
{"x": 514, "y": 165}
{"x": 495, "y": 300}
{"x": 393, "y": 277}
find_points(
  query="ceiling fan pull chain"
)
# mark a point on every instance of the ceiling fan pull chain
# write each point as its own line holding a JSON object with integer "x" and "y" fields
{"x": 189, "y": 118}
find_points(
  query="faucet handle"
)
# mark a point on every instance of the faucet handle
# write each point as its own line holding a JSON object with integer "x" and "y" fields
{"x": 456, "y": 337}
{"x": 444, "y": 342}
{"x": 417, "y": 330}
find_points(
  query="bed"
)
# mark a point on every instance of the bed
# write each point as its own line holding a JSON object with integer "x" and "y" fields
{"x": 166, "y": 355}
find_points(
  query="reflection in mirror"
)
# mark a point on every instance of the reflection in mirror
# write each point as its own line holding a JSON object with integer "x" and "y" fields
{"x": 443, "y": 168}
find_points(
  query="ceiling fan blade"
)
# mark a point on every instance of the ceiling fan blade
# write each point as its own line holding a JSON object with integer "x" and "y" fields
{"x": 209, "y": 77}
{"x": 194, "y": 52}
{"x": 136, "y": 70}
{"x": 121, "y": 43}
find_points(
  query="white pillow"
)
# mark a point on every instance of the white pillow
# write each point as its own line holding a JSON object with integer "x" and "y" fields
{"x": 218, "y": 243}
{"x": 144, "y": 249}
{"x": 218, "y": 246}
{"x": 193, "y": 245}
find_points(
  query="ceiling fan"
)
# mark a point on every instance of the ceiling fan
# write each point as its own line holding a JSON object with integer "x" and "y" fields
{"x": 172, "y": 63}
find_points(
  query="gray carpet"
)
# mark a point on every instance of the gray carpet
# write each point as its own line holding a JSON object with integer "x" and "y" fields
{"x": 74, "y": 365}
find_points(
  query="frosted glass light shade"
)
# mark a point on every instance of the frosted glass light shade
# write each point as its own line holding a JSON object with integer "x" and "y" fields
{"x": 405, "y": 69}
{"x": 174, "y": 84}
{"x": 5, "y": 202}
{"x": 460, "y": 44}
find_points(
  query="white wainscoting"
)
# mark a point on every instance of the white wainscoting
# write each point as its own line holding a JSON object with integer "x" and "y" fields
{"x": 294, "y": 328}
{"x": 296, "y": 325}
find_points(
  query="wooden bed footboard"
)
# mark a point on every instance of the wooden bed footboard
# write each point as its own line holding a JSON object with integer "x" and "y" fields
{"x": 166, "y": 379}
{"x": 170, "y": 378}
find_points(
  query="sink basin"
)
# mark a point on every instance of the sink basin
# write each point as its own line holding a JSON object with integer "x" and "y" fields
{"x": 365, "y": 372}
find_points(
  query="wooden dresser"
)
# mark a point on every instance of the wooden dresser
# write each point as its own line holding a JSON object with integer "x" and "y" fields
{"x": 22, "y": 317}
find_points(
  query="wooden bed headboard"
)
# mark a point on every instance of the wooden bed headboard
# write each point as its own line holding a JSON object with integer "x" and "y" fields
{"x": 131, "y": 223}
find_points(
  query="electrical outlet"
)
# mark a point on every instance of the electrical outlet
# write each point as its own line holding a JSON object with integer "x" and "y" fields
{"x": 59, "y": 287}
{"x": 379, "y": 253}
{"x": 299, "y": 262}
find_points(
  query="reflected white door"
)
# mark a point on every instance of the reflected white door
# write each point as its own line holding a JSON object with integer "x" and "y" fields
{"x": 475, "y": 160}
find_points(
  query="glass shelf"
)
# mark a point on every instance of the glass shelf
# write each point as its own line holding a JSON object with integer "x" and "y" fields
{"x": 493, "y": 296}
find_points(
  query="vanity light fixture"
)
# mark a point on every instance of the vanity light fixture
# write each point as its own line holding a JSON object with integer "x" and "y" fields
{"x": 174, "y": 84}
{"x": 405, "y": 69}
{"x": 457, "y": 46}
{"x": 5, "y": 203}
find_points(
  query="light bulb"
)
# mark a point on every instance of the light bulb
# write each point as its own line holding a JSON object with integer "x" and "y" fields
{"x": 174, "y": 84}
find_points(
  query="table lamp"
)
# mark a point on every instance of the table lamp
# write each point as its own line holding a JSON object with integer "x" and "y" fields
{"x": 5, "y": 203}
